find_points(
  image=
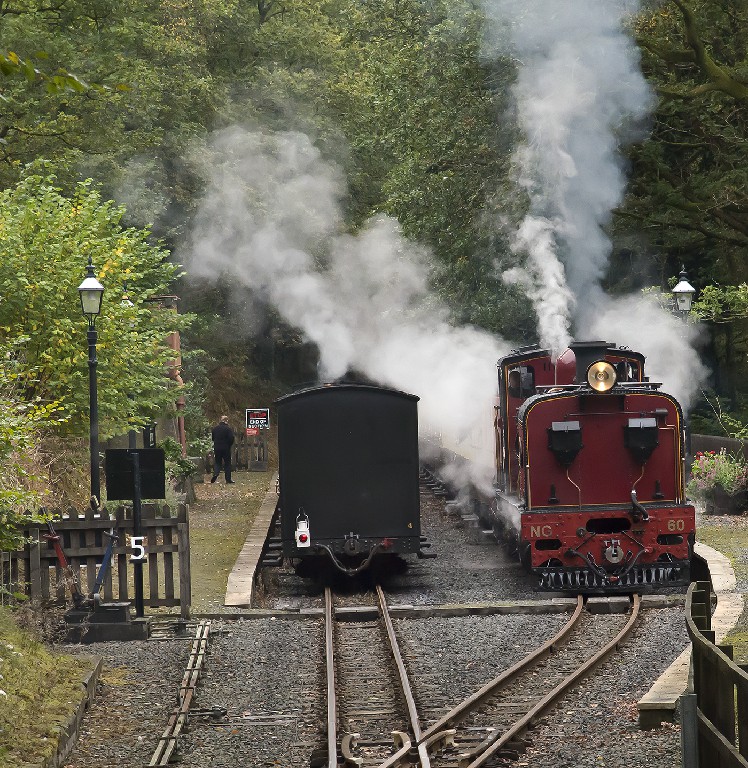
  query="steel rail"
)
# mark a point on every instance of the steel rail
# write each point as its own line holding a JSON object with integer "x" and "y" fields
{"x": 332, "y": 704}
{"x": 464, "y": 708}
{"x": 497, "y": 740}
{"x": 167, "y": 743}
{"x": 415, "y": 724}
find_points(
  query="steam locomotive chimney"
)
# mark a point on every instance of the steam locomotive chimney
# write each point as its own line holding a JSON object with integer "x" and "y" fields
{"x": 586, "y": 353}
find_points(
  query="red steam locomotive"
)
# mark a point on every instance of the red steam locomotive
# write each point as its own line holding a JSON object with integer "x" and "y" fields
{"x": 591, "y": 471}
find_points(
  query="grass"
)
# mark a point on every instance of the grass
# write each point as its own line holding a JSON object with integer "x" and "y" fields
{"x": 729, "y": 535}
{"x": 219, "y": 523}
{"x": 39, "y": 691}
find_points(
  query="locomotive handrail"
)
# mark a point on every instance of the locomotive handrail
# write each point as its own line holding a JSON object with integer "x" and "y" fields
{"x": 634, "y": 385}
{"x": 720, "y": 685}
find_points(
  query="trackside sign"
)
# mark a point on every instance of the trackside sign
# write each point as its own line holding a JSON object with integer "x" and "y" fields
{"x": 257, "y": 419}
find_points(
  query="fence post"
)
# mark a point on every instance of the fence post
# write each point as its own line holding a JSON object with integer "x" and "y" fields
{"x": 183, "y": 539}
{"x": 689, "y": 730}
{"x": 34, "y": 575}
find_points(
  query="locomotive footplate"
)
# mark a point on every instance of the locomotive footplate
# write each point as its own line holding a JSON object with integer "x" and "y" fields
{"x": 638, "y": 578}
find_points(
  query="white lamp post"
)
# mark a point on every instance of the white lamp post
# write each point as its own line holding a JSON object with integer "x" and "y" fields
{"x": 683, "y": 293}
{"x": 91, "y": 292}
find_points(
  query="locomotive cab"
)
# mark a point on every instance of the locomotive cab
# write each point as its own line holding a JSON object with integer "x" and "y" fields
{"x": 591, "y": 471}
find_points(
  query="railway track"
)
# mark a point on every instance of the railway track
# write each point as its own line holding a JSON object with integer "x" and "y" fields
{"x": 513, "y": 702}
{"x": 485, "y": 728}
{"x": 370, "y": 703}
{"x": 373, "y": 718}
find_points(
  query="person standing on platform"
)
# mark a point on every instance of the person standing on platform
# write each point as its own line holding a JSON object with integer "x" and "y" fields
{"x": 223, "y": 439}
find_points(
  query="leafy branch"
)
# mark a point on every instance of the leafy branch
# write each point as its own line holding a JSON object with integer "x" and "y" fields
{"x": 12, "y": 65}
{"x": 718, "y": 78}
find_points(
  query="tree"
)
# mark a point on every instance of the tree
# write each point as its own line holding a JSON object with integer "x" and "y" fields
{"x": 689, "y": 181}
{"x": 46, "y": 240}
{"x": 427, "y": 146}
{"x": 154, "y": 95}
{"x": 23, "y": 481}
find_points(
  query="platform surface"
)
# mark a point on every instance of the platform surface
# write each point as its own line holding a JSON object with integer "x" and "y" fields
{"x": 658, "y": 705}
{"x": 241, "y": 581}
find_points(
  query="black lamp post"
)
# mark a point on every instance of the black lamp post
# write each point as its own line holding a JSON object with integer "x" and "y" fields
{"x": 91, "y": 292}
{"x": 683, "y": 293}
{"x": 132, "y": 435}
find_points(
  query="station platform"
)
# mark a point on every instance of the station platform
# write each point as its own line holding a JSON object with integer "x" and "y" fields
{"x": 241, "y": 582}
{"x": 659, "y": 704}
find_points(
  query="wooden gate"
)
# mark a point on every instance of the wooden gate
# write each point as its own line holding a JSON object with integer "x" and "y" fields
{"x": 36, "y": 572}
{"x": 251, "y": 451}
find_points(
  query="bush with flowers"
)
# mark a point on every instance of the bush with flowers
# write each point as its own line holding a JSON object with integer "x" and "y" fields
{"x": 719, "y": 472}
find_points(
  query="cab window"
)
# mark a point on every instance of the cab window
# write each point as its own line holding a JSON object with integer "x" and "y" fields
{"x": 521, "y": 381}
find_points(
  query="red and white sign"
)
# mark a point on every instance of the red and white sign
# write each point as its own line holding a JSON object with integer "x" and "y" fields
{"x": 253, "y": 431}
{"x": 258, "y": 417}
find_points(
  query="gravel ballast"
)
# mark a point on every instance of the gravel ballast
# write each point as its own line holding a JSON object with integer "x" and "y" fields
{"x": 267, "y": 672}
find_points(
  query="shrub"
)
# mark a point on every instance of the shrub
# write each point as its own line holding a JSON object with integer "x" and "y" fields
{"x": 711, "y": 470}
{"x": 176, "y": 466}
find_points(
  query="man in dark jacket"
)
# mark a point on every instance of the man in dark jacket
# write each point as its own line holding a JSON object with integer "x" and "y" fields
{"x": 223, "y": 439}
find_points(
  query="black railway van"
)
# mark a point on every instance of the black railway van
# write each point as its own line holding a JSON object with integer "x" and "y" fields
{"x": 348, "y": 465}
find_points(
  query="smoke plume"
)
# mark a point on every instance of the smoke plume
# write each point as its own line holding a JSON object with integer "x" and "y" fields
{"x": 270, "y": 222}
{"x": 578, "y": 93}
{"x": 580, "y": 96}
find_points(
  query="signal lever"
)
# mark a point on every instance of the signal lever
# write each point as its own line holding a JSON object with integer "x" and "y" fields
{"x": 638, "y": 512}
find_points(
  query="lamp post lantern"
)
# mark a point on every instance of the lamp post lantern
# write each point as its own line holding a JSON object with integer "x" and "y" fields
{"x": 683, "y": 293}
{"x": 91, "y": 292}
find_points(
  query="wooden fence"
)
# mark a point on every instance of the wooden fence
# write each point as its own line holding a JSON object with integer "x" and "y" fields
{"x": 251, "y": 452}
{"x": 247, "y": 452}
{"x": 720, "y": 688}
{"x": 715, "y": 443}
{"x": 36, "y": 572}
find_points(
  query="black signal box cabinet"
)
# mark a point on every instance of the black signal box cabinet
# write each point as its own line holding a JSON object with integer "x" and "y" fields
{"x": 348, "y": 461}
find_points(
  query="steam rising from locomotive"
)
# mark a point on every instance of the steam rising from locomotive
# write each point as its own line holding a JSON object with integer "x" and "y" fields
{"x": 579, "y": 94}
{"x": 271, "y": 222}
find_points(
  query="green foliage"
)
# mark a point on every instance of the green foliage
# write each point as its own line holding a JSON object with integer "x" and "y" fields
{"x": 715, "y": 417}
{"x": 46, "y": 241}
{"x": 687, "y": 200}
{"x": 176, "y": 466}
{"x": 23, "y": 480}
{"x": 12, "y": 65}
{"x": 153, "y": 94}
{"x": 688, "y": 188}
{"x": 722, "y": 304}
{"x": 420, "y": 115}
{"x": 711, "y": 470}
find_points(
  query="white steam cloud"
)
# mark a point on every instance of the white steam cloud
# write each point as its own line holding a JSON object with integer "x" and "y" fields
{"x": 578, "y": 92}
{"x": 579, "y": 96}
{"x": 271, "y": 222}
